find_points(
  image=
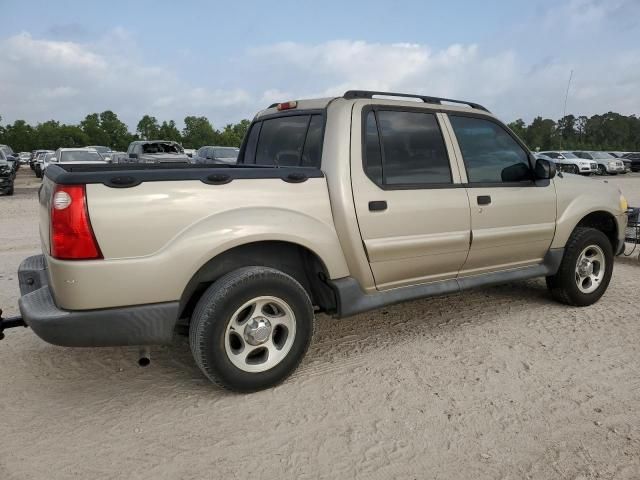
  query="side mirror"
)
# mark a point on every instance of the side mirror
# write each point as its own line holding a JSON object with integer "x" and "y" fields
{"x": 133, "y": 155}
{"x": 545, "y": 170}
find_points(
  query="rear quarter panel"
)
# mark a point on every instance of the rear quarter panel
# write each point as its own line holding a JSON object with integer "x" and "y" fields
{"x": 155, "y": 236}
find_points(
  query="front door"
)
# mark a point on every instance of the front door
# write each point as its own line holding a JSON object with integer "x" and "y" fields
{"x": 513, "y": 216}
{"x": 412, "y": 209}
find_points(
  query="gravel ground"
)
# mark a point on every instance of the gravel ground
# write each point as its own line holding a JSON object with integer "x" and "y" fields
{"x": 494, "y": 383}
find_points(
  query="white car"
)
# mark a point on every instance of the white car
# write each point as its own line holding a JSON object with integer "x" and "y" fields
{"x": 105, "y": 152}
{"x": 569, "y": 162}
{"x": 77, "y": 155}
{"x": 607, "y": 163}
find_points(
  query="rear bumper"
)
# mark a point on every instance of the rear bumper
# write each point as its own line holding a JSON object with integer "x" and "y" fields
{"x": 151, "y": 324}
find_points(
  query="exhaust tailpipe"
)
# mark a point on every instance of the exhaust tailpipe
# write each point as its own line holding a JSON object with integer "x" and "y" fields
{"x": 144, "y": 356}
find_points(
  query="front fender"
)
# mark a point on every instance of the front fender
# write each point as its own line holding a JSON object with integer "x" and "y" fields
{"x": 577, "y": 198}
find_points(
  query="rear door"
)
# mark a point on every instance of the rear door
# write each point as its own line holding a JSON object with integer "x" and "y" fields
{"x": 512, "y": 215}
{"x": 412, "y": 209}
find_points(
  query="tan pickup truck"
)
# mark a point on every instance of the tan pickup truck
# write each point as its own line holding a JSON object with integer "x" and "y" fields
{"x": 338, "y": 205}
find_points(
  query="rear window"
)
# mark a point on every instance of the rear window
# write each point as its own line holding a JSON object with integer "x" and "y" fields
{"x": 291, "y": 140}
{"x": 80, "y": 156}
{"x": 226, "y": 153}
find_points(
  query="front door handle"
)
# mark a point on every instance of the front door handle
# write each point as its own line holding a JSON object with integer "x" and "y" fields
{"x": 484, "y": 199}
{"x": 377, "y": 205}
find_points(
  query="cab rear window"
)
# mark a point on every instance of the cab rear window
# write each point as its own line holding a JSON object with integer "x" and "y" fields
{"x": 289, "y": 140}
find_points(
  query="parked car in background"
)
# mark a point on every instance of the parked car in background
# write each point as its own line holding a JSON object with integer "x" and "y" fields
{"x": 634, "y": 158}
{"x": 47, "y": 159}
{"x": 607, "y": 163}
{"x": 105, "y": 152}
{"x": 217, "y": 155}
{"x": 8, "y": 151}
{"x": 14, "y": 164}
{"x": 39, "y": 162}
{"x": 156, "y": 151}
{"x": 24, "y": 157}
{"x": 570, "y": 163}
{"x": 119, "y": 157}
{"x": 7, "y": 175}
{"x": 64, "y": 156}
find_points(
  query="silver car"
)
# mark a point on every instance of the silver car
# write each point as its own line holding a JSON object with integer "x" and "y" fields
{"x": 570, "y": 163}
{"x": 607, "y": 163}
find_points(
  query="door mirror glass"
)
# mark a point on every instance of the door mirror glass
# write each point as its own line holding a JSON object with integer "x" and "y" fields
{"x": 518, "y": 172}
{"x": 545, "y": 170}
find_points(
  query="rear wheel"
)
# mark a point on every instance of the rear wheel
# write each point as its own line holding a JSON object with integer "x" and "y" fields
{"x": 251, "y": 329}
{"x": 586, "y": 268}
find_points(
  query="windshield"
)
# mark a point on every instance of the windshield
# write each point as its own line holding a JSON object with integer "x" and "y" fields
{"x": 80, "y": 156}
{"x": 226, "y": 152}
{"x": 161, "y": 147}
{"x": 601, "y": 155}
{"x": 551, "y": 154}
{"x": 569, "y": 155}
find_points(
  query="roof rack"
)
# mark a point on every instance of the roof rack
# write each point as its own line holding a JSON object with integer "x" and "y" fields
{"x": 354, "y": 94}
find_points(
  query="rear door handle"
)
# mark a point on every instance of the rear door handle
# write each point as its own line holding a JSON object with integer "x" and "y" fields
{"x": 484, "y": 199}
{"x": 377, "y": 205}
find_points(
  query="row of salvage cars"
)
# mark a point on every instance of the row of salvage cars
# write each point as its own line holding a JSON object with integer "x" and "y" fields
{"x": 591, "y": 162}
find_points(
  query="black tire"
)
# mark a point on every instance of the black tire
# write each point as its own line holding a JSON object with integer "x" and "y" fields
{"x": 563, "y": 285}
{"x": 602, "y": 170}
{"x": 215, "y": 310}
{"x": 10, "y": 191}
{"x": 573, "y": 169}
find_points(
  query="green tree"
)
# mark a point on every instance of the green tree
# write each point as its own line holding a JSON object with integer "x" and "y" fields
{"x": 169, "y": 131}
{"x": 233, "y": 134}
{"x": 148, "y": 128}
{"x": 566, "y": 128}
{"x": 92, "y": 128}
{"x": 19, "y": 135}
{"x": 115, "y": 130}
{"x": 197, "y": 132}
{"x": 541, "y": 134}
{"x": 519, "y": 128}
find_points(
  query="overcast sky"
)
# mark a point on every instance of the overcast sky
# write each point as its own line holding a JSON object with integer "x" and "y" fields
{"x": 226, "y": 60}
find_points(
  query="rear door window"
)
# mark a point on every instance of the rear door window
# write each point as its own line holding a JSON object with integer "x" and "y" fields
{"x": 286, "y": 141}
{"x": 405, "y": 149}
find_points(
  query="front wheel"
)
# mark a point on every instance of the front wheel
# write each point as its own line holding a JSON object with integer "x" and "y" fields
{"x": 585, "y": 270}
{"x": 251, "y": 329}
{"x": 602, "y": 170}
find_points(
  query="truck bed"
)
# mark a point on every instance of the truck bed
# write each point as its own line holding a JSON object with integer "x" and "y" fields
{"x": 131, "y": 175}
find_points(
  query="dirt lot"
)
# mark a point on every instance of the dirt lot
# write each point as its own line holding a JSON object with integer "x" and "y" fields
{"x": 496, "y": 383}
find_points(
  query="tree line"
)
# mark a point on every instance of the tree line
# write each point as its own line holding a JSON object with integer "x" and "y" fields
{"x": 107, "y": 129}
{"x": 609, "y": 132}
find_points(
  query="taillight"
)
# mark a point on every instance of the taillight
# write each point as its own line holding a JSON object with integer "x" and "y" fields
{"x": 286, "y": 106}
{"x": 71, "y": 235}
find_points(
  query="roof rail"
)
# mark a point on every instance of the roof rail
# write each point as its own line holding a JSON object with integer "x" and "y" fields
{"x": 355, "y": 94}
